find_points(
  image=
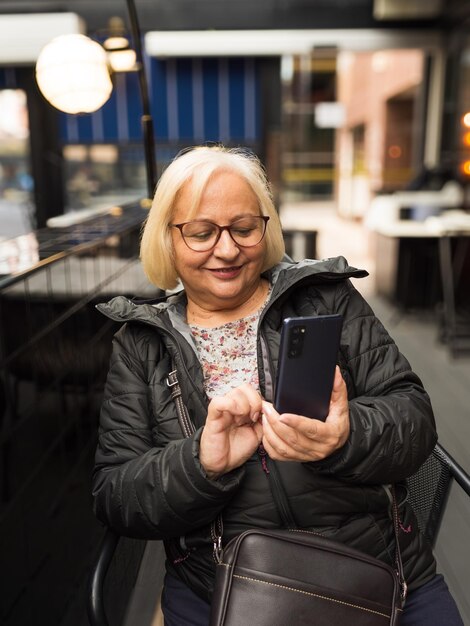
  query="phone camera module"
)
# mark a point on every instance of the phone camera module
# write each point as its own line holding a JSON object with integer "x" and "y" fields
{"x": 296, "y": 340}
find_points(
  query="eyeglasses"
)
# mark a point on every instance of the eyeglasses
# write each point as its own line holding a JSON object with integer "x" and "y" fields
{"x": 202, "y": 236}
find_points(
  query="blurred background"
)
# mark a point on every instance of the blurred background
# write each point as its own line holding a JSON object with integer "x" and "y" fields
{"x": 360, "y": 112}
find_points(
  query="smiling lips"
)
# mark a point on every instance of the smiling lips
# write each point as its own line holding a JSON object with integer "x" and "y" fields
{"x": 226, "y": 272}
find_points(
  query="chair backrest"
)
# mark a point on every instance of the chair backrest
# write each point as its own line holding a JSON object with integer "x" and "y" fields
{"x": 429, "y": 489}
{"x": 112, "y": 579}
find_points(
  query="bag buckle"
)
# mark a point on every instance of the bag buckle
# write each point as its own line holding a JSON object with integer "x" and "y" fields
{"x": 404, "y": 591}
{"x": 217, "y": 549}
{"x": 171, "y": 379}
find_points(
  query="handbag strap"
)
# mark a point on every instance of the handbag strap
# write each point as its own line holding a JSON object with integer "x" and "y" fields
{"x": 277, "y": 488}
{"x": 186, "y": 423}
{"x": 398, "y": 560}
{"x": 188, "y": 429}
{"x": 287, "y": 517}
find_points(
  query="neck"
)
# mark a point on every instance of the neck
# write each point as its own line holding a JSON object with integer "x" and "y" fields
{"x": 209, "y": 317}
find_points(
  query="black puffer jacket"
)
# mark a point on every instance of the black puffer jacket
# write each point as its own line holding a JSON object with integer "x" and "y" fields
{"x": 148, "y": 481}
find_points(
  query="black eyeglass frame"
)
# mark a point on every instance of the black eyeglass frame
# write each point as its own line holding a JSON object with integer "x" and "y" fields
{"x": 265, "y": 219}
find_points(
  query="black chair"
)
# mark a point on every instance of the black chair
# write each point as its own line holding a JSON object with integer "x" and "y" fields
{"x": 119, "y": 558}
{"x": 429, "y": 490}
{"x": 113, "y": 578}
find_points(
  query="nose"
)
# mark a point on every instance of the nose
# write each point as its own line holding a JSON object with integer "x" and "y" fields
{"x": 226, "y": 247}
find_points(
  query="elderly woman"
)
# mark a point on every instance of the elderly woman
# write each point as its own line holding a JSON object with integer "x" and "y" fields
{"x": 213, "y": 231}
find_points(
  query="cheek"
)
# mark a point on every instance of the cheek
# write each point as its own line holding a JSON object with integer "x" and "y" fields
{"x": 184, "y": 259}
{"x": 259, "y": 255}
{"x": 176, "y": 255}
{"x": 178, "y": 259}
{"x": 171, "y": 248}
{"x": 178, "y": 248}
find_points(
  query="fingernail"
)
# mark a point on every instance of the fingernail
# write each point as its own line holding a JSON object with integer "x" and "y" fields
{"x": 255, "y": 417}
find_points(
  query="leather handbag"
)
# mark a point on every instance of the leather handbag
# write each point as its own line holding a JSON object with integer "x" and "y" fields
{"x": 293, "y": 576}
{"x": 277, "y": 578}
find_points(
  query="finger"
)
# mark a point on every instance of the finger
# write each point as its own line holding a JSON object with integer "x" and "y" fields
{"x": 237, "y": 407}
{"x": 286, "y": 441}
{"x": 253, "y": 397}
{"x": 275, "y": 451}
{"x": 223, "y": 412}
{"x": 258, "y": 428}
{"x": 339, "y": 392}
{"x": 305, "y": 426}
{"x": 233, "y": 402}
{"x": 271, "y": 441}
{"x": 279, "y": 450}
{"x": 298, "y": 437}
{"x": 248, "y": 402}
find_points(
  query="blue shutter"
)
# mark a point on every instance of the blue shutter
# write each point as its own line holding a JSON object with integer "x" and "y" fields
{"x": 192, "y": 100}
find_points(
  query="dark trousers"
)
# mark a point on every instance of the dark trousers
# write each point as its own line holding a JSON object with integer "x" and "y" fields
{"x": 181, "y": 606}
{"x": 430, "y": 605}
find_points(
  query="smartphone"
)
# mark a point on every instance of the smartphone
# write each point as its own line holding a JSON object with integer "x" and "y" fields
{"x": 307, "y": 359}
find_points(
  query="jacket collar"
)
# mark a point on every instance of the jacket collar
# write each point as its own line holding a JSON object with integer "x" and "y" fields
{"x": 283, "y": 277}
{"x": 288, "y": 273}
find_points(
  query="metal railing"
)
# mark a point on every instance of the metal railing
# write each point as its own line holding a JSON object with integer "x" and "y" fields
{"x": 54, "y": 352}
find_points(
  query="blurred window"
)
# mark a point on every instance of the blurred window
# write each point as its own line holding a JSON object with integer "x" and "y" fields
{"x": 308, "y": 148}
{"x": 16, "y": 183}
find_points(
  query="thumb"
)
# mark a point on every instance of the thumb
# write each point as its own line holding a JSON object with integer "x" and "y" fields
{"x": 339, "y": 392}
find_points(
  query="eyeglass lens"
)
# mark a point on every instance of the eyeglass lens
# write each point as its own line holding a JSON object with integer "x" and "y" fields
{"x": 246, "y": 232}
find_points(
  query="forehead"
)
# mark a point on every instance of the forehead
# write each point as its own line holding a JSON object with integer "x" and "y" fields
{"x": 225, "y": 195}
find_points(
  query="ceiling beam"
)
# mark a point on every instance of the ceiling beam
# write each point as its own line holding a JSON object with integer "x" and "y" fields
{"x": 280, "y": 42}
{"x": 22, "y": 36}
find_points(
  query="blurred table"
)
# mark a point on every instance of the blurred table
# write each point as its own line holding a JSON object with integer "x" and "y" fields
{"x": 422, "y": 264}
{"x": 300, "y": 244}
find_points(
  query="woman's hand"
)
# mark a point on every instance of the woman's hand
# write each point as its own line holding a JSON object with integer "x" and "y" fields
{"x": 232, "y": 431}
{"x": 290, "y": 437}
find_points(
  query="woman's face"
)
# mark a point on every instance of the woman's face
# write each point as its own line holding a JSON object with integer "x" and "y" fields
{"x": 227, "y": 275}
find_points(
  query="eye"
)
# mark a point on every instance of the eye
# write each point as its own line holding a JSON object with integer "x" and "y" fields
{"x": 242, "y": 231}
{"x": 199, "y": 232}
{"x": 245, "y": 227}
{"x": 201, "y": 236}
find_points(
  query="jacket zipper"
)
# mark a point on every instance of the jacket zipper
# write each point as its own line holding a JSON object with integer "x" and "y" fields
{"x": 277, "y": 490}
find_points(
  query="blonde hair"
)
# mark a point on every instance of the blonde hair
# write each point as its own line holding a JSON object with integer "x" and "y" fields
{"x": 197, "y": 166}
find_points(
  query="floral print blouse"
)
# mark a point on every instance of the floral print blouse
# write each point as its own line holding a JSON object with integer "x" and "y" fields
{"x": 228, "y": 354}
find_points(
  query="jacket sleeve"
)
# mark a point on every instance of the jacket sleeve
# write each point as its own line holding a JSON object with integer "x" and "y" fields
{"x": 392, "y": 423}
{"x": 139, "y": 489}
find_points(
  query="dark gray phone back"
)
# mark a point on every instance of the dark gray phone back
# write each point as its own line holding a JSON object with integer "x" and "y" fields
{"x": 307, "y": 359}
